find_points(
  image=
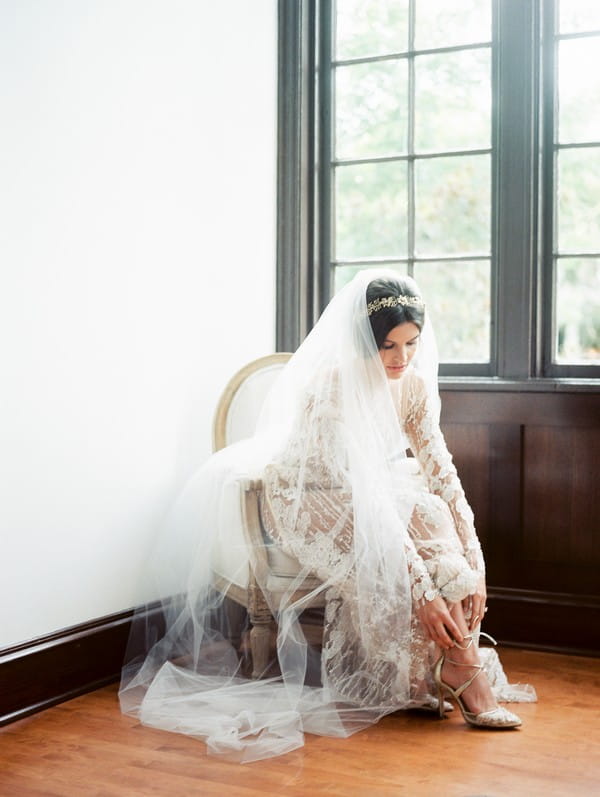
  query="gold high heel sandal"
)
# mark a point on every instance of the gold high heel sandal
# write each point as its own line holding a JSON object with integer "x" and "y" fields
{"x": 497, "y": 718}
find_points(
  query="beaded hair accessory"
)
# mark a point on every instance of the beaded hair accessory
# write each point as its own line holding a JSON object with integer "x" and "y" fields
{"x": 393, "y": 301}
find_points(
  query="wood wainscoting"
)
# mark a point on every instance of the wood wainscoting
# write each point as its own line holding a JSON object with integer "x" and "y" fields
{"x": 530, "y": 464}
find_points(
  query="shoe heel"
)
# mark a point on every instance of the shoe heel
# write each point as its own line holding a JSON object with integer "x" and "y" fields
{"x": 441, "y": 703}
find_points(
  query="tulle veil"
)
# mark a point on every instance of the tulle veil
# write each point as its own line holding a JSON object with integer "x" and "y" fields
{"x": 187, "y": 667}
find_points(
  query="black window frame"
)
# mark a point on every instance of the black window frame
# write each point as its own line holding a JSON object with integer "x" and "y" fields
{"x": 522, "y": 253}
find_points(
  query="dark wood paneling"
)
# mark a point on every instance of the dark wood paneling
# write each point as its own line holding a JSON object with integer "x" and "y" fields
{"x": 560, "y": 523}
{"x": 506, "y": 502}
{"x": 549, "y": 474}
{"x": 470, "y": 446}
{"x": 527, "y": 408}
{"x": 540, "y": 529}
{"x": 545, "y": 620}
{"x": 546, "y": 473}
{"x": 585, "y": 498}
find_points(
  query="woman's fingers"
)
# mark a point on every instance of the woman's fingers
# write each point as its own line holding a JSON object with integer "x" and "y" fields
{"x": 478, "y": 611}
{"x": 439, "y": 625}
{"x": 443, "y": 640}
{"x": 437, "y": 633}
{"x": 448, "y": 631}
{"x": 467, "y": 605}
{"x": 455, "y": 631}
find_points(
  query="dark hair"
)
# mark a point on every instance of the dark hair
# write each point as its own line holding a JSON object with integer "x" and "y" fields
{"x": 386, "y": 318}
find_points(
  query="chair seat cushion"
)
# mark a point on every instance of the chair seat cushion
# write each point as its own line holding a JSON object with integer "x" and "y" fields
{"x": 283, "y": 583}
{"x": 281, "y": 563}
{"x": 284, "y": 569}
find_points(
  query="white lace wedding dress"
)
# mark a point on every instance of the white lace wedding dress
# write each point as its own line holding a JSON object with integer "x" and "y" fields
{"x": 442, "y": 550}
{"x": 381, "y": 532}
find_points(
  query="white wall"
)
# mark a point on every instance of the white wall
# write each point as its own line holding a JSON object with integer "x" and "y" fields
{"x": 137, "y": 238}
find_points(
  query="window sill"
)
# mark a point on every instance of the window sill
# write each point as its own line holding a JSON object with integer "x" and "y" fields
{"x": 496, "y": 384}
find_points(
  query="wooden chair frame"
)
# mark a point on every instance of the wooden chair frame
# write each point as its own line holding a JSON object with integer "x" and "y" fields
{"x": 231, "y": 388}
{"x": 257, "y": 602}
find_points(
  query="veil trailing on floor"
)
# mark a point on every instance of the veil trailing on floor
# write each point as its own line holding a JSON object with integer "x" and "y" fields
{"x": 329, "y": 428}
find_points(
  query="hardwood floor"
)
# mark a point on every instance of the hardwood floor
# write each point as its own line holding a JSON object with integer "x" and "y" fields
{"x": 86, "y": 747}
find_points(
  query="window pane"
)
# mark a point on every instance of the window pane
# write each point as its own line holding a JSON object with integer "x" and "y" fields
{"x": 440, "y": 23}
{"x": 371, "y": 27}
{"x": 579, "y": 90}
{"x": 371, "y": 210}
{"x": 453, "y": 101}
{"x": 457, "y": 295}
{"x": 577, "y": 311}
{"x": 579, "y": 200}
{"x": 343, "y": 274}
{"x": 452, "y": 205}
{"x": 579, "y": 15}
{"x": 371, "y": 103}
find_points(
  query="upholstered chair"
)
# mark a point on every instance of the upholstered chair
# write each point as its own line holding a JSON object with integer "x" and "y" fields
{"x": 235, "y": 419}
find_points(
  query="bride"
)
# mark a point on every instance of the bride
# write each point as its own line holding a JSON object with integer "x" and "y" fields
{"x": 390, "y": 538}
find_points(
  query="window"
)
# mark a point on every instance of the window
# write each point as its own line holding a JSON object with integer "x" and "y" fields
{"x": 411, "y": 156}
{"x": 459, "y": 143}
{"x": 572, "y": 152}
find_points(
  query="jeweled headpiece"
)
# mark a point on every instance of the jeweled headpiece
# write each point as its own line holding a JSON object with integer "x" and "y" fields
{"x": 393, "y": 301}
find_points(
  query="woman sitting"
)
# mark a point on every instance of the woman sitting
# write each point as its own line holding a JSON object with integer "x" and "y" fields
{"x": 393, "y": 546}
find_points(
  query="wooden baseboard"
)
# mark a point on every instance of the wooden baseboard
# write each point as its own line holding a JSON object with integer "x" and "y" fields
{"x": 556, "y": 622}
{"x": 43, "y": 672}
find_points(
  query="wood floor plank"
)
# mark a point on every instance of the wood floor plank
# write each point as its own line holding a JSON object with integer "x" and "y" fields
{"x": 87, "y": 747}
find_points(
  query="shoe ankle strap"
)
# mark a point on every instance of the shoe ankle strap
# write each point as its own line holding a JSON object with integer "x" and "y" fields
{"x": 487, "y": 636}
{"x": 462, "y": 663}
{"x": 471, "y": 640}
{"x": 460, "y": 689}
{"x": 468, "y": 645}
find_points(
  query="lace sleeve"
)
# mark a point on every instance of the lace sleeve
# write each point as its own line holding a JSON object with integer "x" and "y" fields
{"x": 429, "y": 447}
{"x": 421, "y": 585}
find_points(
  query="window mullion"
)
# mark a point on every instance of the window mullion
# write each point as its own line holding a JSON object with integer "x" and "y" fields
{"x": 324, "y": 230}
{"x": 548, "y": 170}
{"x": 517, "y": 44}
{"x": 295, "y": 173}
{"x": 411, "y": 141}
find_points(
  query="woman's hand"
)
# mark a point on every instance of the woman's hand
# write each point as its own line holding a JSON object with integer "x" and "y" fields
{"x": 438, "y": 623}
{"x": 476, "y": 604}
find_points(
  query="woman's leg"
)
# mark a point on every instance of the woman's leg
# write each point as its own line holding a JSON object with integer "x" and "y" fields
{"x": 436, "y": 540}
{"x": 434, "y": 535}
{"x": 478, "y": 696}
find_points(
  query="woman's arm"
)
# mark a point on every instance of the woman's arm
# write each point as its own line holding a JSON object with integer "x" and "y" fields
{"x": 430, "y": 607}
{"x": 429, "y": 447}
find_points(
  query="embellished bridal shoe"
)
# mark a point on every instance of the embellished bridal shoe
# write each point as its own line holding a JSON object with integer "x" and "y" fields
{"x": 497, "y": 718}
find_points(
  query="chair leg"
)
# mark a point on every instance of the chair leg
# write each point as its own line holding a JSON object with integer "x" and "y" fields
{"x": 260, "y": 635}
{"x": 260, "y": 638}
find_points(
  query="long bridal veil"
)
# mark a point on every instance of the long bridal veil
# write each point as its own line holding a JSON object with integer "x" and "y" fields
{"x": 329, "y": 438}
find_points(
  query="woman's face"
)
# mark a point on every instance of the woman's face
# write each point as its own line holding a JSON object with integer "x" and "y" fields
{"x": 398, "y": 349}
